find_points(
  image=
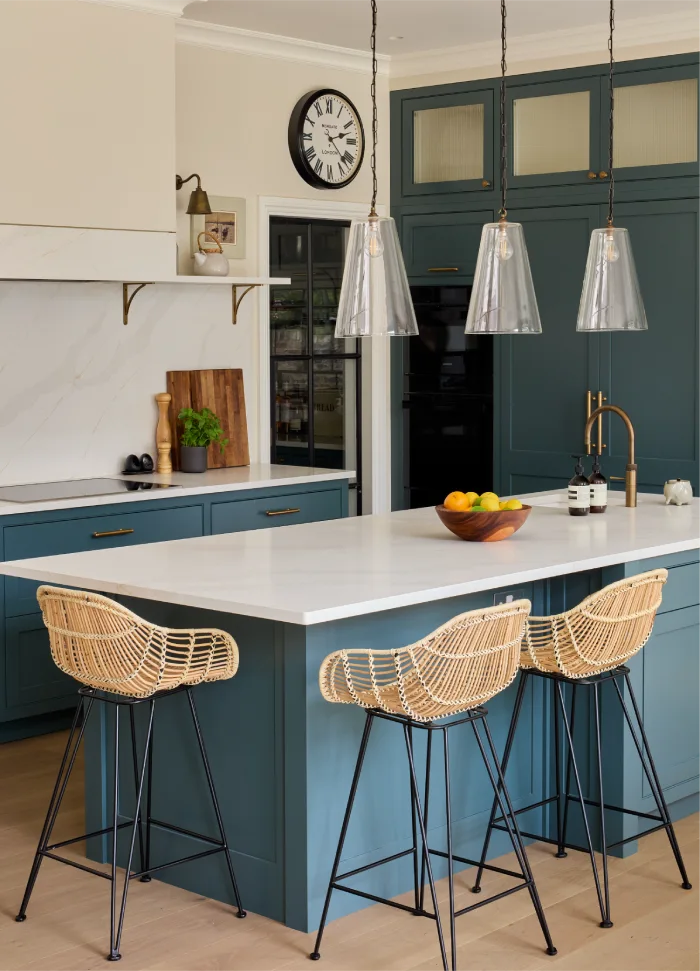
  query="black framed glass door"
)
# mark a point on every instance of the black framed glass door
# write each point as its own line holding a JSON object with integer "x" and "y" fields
{"x": 315, "y": 379}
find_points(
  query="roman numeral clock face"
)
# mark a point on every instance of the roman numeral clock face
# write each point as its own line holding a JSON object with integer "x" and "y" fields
{"x": 326, "y": 139}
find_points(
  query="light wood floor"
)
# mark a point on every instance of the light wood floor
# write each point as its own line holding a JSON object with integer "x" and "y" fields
{"x": 656, "y": 923}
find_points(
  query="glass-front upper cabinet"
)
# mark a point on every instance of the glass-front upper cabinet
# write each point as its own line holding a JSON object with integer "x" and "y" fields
{"x": 656, "y": 123}
{"x": 554, "y": 133}
{"x": 447, "y": 144}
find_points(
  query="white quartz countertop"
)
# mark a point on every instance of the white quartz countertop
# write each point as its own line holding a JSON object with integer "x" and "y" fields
{"x": 317, "y": 572}
{"x": 256, "y": 476}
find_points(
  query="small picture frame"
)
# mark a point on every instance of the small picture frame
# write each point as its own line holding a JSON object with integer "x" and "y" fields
{"x": 226, "y": 221}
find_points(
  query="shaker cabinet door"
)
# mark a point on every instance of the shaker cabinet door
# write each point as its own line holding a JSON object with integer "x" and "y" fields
{"x": 540, "y": 410}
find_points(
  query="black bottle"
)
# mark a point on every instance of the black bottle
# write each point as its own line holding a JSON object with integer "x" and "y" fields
{"x": 579, "y": 491}
{"x": 599, "y": 487}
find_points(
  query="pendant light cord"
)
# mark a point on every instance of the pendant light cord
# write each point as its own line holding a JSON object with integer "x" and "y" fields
{"x": 373, "y": 91}
{"x": 611, "y": 185}
{"x": 504, "y": 142}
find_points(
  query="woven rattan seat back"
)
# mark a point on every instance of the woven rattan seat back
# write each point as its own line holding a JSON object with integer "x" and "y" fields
{"x": 600, "y": 633}
{"x": 103, "y": 645}
{"x": 457, "y": 667}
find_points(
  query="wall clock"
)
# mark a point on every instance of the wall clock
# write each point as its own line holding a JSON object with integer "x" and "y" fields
{"x": 326, "y": 139}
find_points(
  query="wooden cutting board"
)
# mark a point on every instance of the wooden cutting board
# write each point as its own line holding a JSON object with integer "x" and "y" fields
{"x": 221, "y": 390}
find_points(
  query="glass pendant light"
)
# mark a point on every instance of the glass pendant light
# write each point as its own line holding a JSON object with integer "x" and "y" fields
{"x": 503, "y": 295}
{"x": 611, "y": 299}
{"x": 375, "y": 300}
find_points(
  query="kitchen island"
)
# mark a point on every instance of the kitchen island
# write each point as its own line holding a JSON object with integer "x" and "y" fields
{"x": 283, "y": 757}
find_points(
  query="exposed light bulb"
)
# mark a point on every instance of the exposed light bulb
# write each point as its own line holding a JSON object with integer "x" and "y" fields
{"x": 373, "y": 242}
{"x": 504, "y": 245}
{"x": 612, "y": 253}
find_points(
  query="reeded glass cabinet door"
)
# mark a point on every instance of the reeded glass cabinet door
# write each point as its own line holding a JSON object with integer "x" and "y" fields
{"x": 554, "y": 133}
{"x": 656, "y": 123}
{"x": 447, "y": 143}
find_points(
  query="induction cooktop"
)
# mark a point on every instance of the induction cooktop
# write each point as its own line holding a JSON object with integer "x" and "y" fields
{"x": 76, "y": 489}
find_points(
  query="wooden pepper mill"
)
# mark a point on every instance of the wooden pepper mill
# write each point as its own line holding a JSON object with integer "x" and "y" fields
{"x": 163, "y": 439}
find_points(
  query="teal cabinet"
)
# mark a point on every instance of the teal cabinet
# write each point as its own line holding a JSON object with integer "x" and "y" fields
{"x": 447, "y": 143}
{"x": 442, "y": 247}
{"x": 34, "y": 694}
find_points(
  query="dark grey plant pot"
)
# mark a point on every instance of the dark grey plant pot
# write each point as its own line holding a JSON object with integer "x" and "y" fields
{"x": 193, "y": 458}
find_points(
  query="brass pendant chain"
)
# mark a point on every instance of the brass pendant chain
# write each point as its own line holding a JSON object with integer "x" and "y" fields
{"x": 504, "y": 144}
{"x": 611, "y": 186}
{"x": 373, "y": 91}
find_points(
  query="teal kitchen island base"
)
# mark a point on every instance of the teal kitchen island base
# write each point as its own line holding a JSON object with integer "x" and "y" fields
{"x": 283, "y": 758}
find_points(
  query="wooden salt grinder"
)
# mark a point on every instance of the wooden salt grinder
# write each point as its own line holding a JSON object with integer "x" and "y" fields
{"x": 163, "y": 440}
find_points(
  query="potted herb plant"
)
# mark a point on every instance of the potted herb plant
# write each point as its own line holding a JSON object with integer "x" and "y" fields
{"x": 200, "y": 429}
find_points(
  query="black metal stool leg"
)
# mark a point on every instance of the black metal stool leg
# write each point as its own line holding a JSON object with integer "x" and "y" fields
{"x": 137, "y": 818}
{"x": 606, "y": 922}
{"x": 57, "y": 795}
{"x": 137, "y": 824}
{"x": 450, "y": 861}
{"x": 652, "y": 777}
{"x": 315, "y": 954}
{"x": 503, "y": 796}
{"x": 114, "y": 954}
{"x": 561, "y": 851}
{"x": 146, "y": 877}
{"x": 506, "y": 757}
{"x": 574, "y": 766}
{"x": 215, "y": 802}
{"x": 567, "y": 798}
{"x": 428, "y": 757}
{"x": 426, "y": 852}
{"x": 414, "y": 834}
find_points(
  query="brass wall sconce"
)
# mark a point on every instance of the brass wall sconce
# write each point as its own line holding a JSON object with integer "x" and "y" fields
{"x": 199, "y": 201}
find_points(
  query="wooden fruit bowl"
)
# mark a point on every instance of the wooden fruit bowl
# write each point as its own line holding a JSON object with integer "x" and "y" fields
{"x": 483, "y": 527}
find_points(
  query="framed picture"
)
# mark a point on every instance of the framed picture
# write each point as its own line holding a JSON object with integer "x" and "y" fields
{"x": 226, "y": 221}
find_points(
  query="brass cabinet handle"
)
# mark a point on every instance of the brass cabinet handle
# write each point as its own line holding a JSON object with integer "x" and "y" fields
{"x": 280, "y": 512}
{"x": 112, "y": 532}
{"x": 602, "y": 175}
{"x": 598, "y": 446}
{"x": 616, "y": 478}
{"x": 592, "y": 175}
{"x": 443, "y": 269}
{"x": 485, "y": 183}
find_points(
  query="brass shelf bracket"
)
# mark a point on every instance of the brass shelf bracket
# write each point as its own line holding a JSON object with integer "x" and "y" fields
{"x": 127, "y": 299}
{"x": 236, "y": 300}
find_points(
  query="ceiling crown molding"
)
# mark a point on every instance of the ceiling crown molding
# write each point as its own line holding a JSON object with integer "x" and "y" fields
{"x": 254, "y": 42}
{"x": 660, "y": 31}
{"x": 166, "y": 8}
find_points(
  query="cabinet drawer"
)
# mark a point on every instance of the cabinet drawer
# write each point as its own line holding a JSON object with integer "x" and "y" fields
{"x": 308, "y": 507}
{"x": 442, "y": 246}
{"x": 30, "y": 673}
{"x": 94, "y": 532}
{"x": 682, "y": 588}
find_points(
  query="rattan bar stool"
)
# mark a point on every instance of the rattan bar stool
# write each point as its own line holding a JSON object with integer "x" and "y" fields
{"x": 123, "y": 661}
{"x": 585, "y": 648}
{"x": 455, "y": 669}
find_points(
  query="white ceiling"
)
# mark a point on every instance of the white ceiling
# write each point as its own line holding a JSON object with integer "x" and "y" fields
{"x": 425, "y": 24}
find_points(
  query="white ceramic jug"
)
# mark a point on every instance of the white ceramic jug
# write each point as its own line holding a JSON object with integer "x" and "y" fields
{"x": 210, "y": 262}
{"x": 678, "y": 491}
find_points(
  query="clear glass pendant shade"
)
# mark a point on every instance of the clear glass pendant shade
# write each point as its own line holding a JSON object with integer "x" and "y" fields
{"x": 375, "y": 300}
{"x": 503, "y": 296}
{"x": 611, "y": 298}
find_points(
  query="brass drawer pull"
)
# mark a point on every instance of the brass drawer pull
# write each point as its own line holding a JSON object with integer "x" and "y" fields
{"x": 443, "y": 269}
{"x": 280, "y": 512}
{"x": 112, "y": 532}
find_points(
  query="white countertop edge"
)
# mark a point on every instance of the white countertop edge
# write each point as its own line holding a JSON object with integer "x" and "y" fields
{"x": 20, "y": 568}
{"x": 308, "y": 476}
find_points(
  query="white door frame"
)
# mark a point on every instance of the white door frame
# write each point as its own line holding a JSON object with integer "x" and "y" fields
{"x": 376, "y": 407}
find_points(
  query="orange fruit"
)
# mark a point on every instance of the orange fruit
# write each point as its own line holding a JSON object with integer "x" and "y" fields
{"x": 457, "y": 502}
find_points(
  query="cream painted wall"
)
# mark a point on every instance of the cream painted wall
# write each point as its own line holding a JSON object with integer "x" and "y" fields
{"x": 87, "y": 101}
{"x": 232, "y": 115}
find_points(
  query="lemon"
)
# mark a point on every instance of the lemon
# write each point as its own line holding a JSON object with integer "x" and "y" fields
{"x": 502, "y": 504}
{"x": 513, "y": 504}
{"x": 490, "y": 504}
{"x": 473, "y": 497}
{"x": 489, "y": 495}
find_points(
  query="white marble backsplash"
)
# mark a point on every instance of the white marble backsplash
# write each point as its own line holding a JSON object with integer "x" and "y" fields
{"x": 77, "y": 386}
